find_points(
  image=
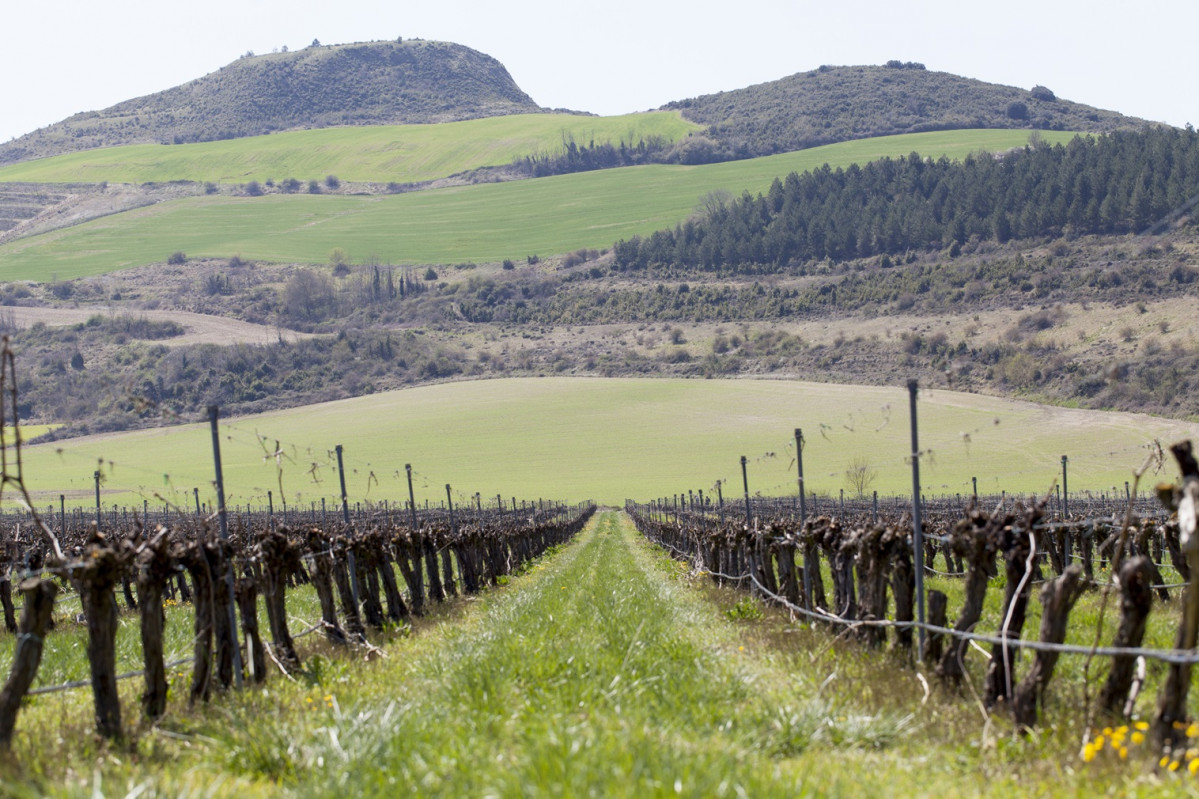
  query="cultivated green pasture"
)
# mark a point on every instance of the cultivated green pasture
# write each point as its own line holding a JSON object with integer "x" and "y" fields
{"x": 607, "y": 439}
{"x": 381, "y": 154}
{"x": 481, "y": 223}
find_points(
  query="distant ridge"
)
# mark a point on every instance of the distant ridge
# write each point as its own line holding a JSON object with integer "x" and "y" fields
{"x": 373, "y": 83}
{"x": 833, "y": 104}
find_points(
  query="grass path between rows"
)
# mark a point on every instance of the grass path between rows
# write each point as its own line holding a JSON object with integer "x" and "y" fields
{"x": 599, "y": 673}
{"x": 605, "y": 670}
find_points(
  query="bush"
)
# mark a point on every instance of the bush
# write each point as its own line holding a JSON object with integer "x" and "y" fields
{"x": 176, "y": 258}
{"x": 1043, "y": 93}
{"x": 1017, "y": 110}
{"x": 508, "y": 264}
{"x": 253, "y": 189}
{"x": 290, "y": 186}
{"x": 430, "y": 274}
{"x": 332, "y": 181}
{"x": 314, "y": 187}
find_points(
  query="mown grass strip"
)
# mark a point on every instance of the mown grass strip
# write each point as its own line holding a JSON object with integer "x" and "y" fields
{"x": 595, "y": 677}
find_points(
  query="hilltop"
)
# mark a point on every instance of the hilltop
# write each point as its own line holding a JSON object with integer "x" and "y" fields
{"x": 834, "y": 104}
{"x": 373, "y": 83}
{"x": 418, "y": 81}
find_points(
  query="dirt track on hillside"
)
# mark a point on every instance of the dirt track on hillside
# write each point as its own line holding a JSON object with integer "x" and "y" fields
{"x": 200, "y": 328}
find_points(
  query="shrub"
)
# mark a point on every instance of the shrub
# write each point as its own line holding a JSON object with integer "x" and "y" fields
{"x": 290, "y": 185}
{"x": 1017, "y": 110}
{"x": 176, "y": 258}
{"x": 508, "y": 264}
{"x": 253, "y": 189}
{"x": 314, "y": 187}
{"x": 430, "y": 274}
{"x": 332, "y": 181}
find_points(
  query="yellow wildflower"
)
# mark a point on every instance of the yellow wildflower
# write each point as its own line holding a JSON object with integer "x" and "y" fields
{"x": 1088, "y": 752}
{"x": 1138, "y": 737}
{"x": 1193, "y": 767}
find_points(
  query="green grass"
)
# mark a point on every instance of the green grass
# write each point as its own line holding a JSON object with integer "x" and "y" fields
{"x": 481, "y": 223}
{"x": 608, "y": 670}
{"x": 380, "y": 154}
{"x": 608, "y": 439}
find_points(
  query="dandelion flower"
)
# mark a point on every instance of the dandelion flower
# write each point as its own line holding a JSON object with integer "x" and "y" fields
{"x": 1142, "y": 725}
{"x": 1193, "y": 767}
{"x": 1088, "y": 752}
{"x": 1138, "y": 737}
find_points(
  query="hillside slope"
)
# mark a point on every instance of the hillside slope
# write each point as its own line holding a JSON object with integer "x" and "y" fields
{"x": 833, "y": 104}
{"x": 374, "y": 83}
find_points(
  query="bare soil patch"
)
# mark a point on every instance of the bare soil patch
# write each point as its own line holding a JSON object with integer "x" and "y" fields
{"x": 201, "y": 328}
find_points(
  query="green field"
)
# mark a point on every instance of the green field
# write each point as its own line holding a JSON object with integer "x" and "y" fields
{"x": 481, "y": 223}
{"x": 380, "y": 154}
{"x": 608, "y": 439}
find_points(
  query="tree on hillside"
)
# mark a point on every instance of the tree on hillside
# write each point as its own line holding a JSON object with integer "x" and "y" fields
{"x": 308, "y": 295}
{"x": 860, "y": 475}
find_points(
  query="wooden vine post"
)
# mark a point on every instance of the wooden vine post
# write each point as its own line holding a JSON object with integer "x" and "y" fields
{"x": 917, "y": 526}
{"x": 229, "y": 604}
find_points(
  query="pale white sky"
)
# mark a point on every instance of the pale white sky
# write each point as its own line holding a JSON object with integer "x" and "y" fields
{"x": 60, "y": 57}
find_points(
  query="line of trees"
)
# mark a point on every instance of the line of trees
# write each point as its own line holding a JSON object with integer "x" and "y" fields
{"x": 1114, "y": 184}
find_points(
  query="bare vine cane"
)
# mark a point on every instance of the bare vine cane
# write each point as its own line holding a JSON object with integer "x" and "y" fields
{"x": 8, "y": 411}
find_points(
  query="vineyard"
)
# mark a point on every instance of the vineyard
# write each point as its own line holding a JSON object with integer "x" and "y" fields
{"x": 219, "y": 608}
{"x": 860, "y": 575}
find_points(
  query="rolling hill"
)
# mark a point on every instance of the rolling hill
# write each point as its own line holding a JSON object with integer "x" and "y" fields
{"x": 833, "y": 104}
{"x": 608, "y": 440}
{"x": 373, "y": 83}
